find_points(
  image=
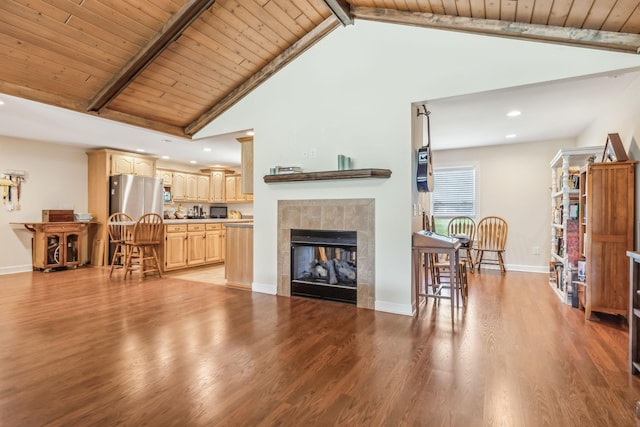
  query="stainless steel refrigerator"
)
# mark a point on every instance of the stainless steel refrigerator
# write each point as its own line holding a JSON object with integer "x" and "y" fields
{"x": 136, "y": 195}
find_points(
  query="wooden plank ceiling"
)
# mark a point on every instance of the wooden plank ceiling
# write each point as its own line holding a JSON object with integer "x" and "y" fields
{"x": 174, "y": 65}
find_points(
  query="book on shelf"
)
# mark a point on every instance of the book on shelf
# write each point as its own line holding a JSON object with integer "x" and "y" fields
{"x": 288, "y": 169}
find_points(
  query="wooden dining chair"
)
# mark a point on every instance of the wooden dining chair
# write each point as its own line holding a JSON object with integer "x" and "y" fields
{"x": 142, "y": 247}
{"x": 491, "y": 236}
{"x": 116, "y": 225}
{"x": 464, "y": 228}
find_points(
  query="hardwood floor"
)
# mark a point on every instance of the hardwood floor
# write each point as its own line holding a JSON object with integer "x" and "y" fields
{"x": 79, "y": 349}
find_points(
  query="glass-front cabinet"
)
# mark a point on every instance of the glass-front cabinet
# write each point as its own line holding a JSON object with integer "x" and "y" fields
{"x": 57, "y": 245}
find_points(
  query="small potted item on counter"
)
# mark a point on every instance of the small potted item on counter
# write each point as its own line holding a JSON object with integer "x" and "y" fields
{"x": 180, "y": 213}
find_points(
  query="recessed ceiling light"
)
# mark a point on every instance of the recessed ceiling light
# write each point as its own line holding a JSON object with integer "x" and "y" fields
{"x": 514, "y": 113}
{"x": 511, "y": 135}
{"x": 1, "y": 102}
{"x": 192, "y": 161}
{"x": 140, "y": 150}
{"x": 250, "y": 133}
{"x": 165, "y": 157}
{"x": 207, "y": 149}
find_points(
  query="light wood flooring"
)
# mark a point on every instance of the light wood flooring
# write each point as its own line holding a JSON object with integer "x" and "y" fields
{"x": 78, "y": 349}
{"x": 209, "y": 274}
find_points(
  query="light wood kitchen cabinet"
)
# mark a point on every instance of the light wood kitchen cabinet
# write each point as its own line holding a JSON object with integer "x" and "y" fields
{"x": 188, "y": 245}
{"x": 100, "y": 166}
{"x": 179, "y": 187}
{"x": 214, "y": 243}
{"x": 217, "y": 187}
{"x": 233, "y": 188}
{"x": 608, "y": 220}
{"x": 230, "y": 188}
{"x": 246, "y": 164}
{"x": 203, "y": 188}
{"x": 196, "y": 235}
{"x": 175, "y": 246}
{"x": 130, "y": 164}
{"x": 192, "y": 187}
{"x": 239, "y": 254}
{"x": 166, "y": 176}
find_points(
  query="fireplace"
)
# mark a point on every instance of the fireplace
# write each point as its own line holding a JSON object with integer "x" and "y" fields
{"x": 330, "y": 214}
{"x": 324, "y": 264}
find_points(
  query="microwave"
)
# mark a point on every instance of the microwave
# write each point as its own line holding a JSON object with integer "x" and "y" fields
{"x": 218, "y": 212}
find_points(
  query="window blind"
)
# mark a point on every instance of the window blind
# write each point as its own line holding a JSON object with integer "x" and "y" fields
{"x": 454, "y": 192}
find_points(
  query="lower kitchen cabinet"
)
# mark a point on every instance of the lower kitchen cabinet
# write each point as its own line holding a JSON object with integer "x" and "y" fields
{"x": 175, "y": 246}
{"x": 195, "y": 244}
{"x": 214, "y": 247}
{"x": 190, "y": 245}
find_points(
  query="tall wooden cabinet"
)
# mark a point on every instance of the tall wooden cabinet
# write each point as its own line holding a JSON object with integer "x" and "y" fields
{"x": 608, "y": 224}
{"x": 101, "y": 165}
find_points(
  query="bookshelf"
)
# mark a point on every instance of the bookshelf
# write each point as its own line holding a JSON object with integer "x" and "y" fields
{"x": 565, "y": 223}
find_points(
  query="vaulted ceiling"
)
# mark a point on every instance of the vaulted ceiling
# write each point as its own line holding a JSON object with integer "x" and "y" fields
{"x": 175, "y": 65}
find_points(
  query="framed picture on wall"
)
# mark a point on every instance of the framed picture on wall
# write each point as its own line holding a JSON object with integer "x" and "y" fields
{"x": 614, "y": 150}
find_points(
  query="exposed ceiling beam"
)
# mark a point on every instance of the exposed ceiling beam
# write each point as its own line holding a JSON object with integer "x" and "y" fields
{"x": 607, "y": 40}
{"x": 169, "y": 33}
{"x": 292, "y": 52}
{"x": 341, "y": 9}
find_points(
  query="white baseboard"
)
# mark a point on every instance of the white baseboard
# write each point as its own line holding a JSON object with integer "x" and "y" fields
{"x": 264, "y": 289}
{"x": 516, "y": 267}
{"x": 394, "y": 307}
{"x": 16, "y": 269}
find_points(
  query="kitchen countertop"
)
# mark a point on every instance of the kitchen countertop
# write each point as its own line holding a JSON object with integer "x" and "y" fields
{"x": 207, "y": 221}
{"x": 241, "y": 224}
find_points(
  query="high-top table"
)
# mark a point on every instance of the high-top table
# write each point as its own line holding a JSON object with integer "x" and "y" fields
{"x": 428, "y": 242}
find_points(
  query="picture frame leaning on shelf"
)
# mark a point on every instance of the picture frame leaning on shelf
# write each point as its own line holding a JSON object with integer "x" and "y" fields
{"x": 614, "y": 150}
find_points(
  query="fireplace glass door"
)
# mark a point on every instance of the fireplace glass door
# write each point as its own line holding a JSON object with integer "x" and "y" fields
{"x": 324, "y": 264}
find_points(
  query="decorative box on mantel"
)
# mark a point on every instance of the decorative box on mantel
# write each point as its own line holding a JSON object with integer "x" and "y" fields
{"x": 326, "y": 175}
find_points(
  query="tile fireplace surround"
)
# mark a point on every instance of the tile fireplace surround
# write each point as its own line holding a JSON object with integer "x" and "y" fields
{"x": 330, "y": 214}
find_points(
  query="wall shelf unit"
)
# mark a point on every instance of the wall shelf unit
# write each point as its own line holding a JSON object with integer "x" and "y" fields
{"x": 565, "y": 192}
{"x": 317, "y": 176}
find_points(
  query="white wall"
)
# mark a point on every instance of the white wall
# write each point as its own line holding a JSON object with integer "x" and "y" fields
{"x": 513, "y": 182}
{"x": 57, "y": 177}
{"x": 351, "y": 94}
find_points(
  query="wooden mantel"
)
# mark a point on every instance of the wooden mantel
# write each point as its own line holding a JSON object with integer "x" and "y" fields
{"x": 318, "y": 176}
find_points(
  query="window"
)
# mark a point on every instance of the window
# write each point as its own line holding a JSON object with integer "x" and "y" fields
{"x": 454, "y": 192}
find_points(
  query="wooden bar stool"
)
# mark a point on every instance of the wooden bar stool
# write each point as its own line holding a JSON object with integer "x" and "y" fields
{"x": 117, "y": 225}
{"x": 141, "y": 249}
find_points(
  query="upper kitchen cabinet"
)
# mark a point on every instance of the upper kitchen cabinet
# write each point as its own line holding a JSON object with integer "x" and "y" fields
{"x": 166, "y": 176}
{"x": 131, "y": 164}
{"x": 217, "y": 184}
{"x": 190, "y": 187}
{"x": 247, "y": 164}
{"x": 179, "y": 186}
{"x": 216, "y": 187}
{"x": 203, "y": 188}
{"x": 233, "y": 188}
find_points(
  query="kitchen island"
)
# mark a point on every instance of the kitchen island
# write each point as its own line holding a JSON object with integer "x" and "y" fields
{"x": 239, "y": 254}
